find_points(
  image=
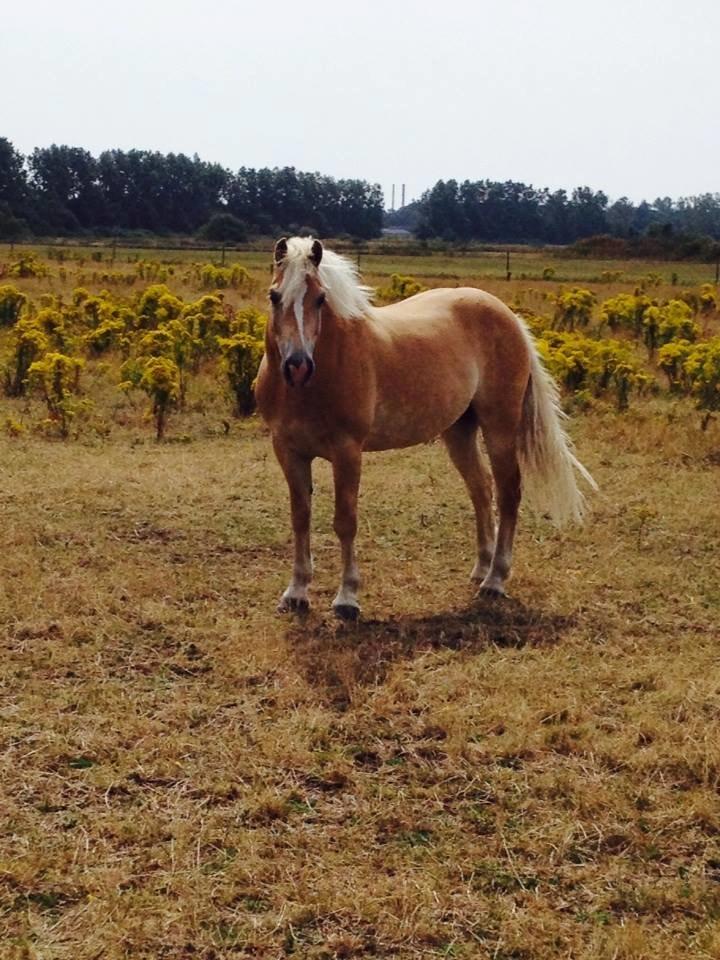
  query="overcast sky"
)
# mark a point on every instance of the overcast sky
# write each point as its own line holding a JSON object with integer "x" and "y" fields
{"x": 620, "y": 95}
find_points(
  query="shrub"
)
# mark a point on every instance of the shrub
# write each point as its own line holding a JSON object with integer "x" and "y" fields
{"x": 673, "y": 321}
{"x": 241, "y": 356}
{"x": 29, "y": 343}
{"x": 573, "y": 308}
{"x": 626, "y": 311}
{"x": 28, "y": 265}
{"x": 151, "y": 270}
{"x": 184, "y": 334}
{"x": 11, "y": 303}
{"x": 219, "y": 278}
{"x": 250, "y": 320}
{"x": 599, "y": 366}
{"x": 90, "y": 310}
{"x": 612, "y": 276}
{"x": 702, "y": 369}
{"x": 692, "y": 299}
{"x": 52, "y": 322}
{"x": 159, "y": 378}
{"x": 671, "y": 358}
{"x": 708, "y": 298}
{"x": 174, "y": 340}
{"x": 56, "y": 377}
{"x": 13, "y": 428}
{"x": 565, "y": 358}
{"x": 400, "y": 288}
{"x": 105, "y": 336}
{"x": 206, "y": 319}
{"x": 650, "y": 280}
{"x": 156, "y": 305}
{"x": 537, "y": 323}
{"x": 79, "y": 295}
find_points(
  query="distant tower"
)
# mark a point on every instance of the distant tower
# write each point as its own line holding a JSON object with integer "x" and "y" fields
{"x": 392, "y": 202}
{"x": 402, "y": 201}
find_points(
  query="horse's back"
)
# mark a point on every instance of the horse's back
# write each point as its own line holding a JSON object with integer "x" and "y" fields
{"x": 445, "y": 305}
{"x": 453, "y": 330}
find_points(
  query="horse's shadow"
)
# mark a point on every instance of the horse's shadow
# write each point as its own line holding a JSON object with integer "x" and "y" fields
{"x": 337, "y": 659}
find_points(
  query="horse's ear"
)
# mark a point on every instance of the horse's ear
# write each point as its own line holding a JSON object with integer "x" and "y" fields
{"x": 316, "y": 252}
{"x": 281, "y": 250}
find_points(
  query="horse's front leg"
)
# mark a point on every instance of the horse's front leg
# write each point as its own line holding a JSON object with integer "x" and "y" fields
{"x": 298, "y": 473}
{"x": 346, "y": 466}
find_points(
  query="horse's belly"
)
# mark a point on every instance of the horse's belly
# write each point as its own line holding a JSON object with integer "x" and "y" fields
{"x": 399, "y": 425}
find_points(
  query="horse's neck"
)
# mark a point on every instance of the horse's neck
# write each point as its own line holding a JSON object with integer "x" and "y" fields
{"x": 337, "y": 328}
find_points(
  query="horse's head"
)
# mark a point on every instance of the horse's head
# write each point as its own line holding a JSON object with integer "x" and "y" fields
{"x": 297, "y": 298}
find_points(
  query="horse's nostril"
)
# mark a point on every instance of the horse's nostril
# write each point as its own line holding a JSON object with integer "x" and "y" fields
{"x": 298, "y": 368}
{"x": 298, "y": 374}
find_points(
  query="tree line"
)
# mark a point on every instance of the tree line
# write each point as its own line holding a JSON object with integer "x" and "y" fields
{"x": 62, "y": 190}
{"x": 510, "y": 212}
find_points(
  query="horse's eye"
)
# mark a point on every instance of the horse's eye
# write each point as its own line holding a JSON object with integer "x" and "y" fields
{"x": 275, "y": 297}
{"x": 321, "y": 300}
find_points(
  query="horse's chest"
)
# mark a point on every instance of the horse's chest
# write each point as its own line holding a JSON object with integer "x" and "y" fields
{"x": 315, "y": 425}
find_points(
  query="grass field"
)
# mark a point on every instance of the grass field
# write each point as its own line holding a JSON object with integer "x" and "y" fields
{"x": 187, "y": 775}
{"x": 491, "y": 262}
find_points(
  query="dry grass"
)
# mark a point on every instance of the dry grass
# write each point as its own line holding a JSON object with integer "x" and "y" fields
{"x": 187, "y": 775}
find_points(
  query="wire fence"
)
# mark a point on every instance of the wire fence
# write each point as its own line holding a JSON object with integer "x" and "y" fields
{"x": 499, "y": 254}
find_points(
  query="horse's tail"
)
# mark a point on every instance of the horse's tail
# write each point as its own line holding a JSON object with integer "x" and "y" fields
{"x": 547, "y": 462}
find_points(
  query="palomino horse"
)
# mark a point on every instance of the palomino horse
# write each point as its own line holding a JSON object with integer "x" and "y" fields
{"x": 340, "y": 376}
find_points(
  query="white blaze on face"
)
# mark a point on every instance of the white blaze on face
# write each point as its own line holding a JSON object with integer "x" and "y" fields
{"x": 300, "y": 314}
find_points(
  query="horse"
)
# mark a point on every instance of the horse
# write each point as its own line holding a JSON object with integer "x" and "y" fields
{"x": 340, "y": 377}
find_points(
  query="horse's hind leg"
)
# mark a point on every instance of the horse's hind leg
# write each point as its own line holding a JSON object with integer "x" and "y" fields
{"x": 501, "y": 447}
{"x": 461, "y": 440}
{"x": 298, "y": 473}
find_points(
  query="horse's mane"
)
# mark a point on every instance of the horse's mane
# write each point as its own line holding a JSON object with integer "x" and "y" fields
{"x": 346, "y": 296}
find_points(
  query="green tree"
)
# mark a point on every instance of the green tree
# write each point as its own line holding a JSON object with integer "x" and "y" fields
{"x": 224, "y": 228}
{"x": 14, "y": 194}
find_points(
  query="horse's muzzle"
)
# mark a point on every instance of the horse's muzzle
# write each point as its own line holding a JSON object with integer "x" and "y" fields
{"x": 298, "y": 368}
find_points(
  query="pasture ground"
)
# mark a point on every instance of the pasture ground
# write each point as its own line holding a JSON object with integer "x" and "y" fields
{"x": 184, "y": 774}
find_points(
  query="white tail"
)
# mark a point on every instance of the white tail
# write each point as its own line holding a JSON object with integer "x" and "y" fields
{"x": 545, "y": 452}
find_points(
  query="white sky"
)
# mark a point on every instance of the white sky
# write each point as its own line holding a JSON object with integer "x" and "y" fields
{"x": 620, "y": 95}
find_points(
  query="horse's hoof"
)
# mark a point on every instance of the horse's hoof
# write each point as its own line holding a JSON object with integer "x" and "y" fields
{"x": 298, "y": 605}
{"x": 346, "y": 612}
{"x": 492, "y": 593}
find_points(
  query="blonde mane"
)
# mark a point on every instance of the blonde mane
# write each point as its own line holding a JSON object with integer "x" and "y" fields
{"x": 346, "y": 296}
